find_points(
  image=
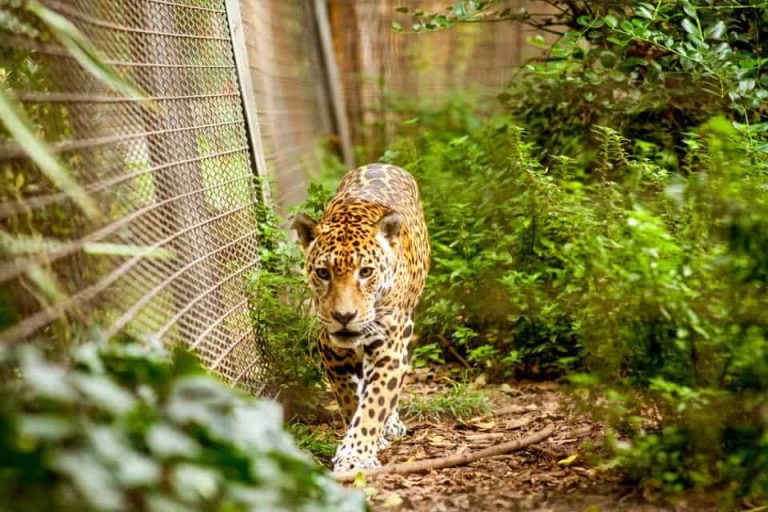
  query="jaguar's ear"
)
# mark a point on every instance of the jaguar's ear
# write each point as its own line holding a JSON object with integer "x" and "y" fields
{"x": 306, "y": 229}
{"x": 389, "y": 227}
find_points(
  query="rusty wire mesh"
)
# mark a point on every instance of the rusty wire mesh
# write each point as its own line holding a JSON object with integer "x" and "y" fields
{"x": 171, "y": 255}
{"x": 291, "y": 91}
{"x": 377, "y": 63}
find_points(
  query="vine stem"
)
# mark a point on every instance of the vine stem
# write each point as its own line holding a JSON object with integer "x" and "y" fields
{"x": 449, "y": 461}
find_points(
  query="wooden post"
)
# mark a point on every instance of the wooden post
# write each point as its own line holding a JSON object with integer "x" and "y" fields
{"x": 246, "y": 93}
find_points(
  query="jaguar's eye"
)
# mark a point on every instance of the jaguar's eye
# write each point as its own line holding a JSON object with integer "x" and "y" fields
{"x": 366, "y": 272}
{"x": 323, "y": 274}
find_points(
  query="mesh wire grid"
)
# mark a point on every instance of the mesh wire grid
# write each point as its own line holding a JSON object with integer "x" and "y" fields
{"x": 290, "y": 88}
{"x": 171, "y": 254}
{"x": 377, "y": 63}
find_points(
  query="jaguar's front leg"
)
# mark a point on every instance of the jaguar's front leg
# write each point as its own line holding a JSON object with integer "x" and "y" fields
{"x": 384, "y": 368}
{"x": 344, "y": 369}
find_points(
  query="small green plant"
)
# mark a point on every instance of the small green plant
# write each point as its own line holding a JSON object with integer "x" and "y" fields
{"x": 280, "y": 302}
{"x": 459, "y": 402}
{"x": 320, "y": 443}
{"x": 119, "y": 427}
{"x": 428, "y": 353}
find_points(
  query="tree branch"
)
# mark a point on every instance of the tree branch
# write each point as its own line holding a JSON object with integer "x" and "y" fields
{"x": 447, "y": 344}
{"x": 450, "y": 461}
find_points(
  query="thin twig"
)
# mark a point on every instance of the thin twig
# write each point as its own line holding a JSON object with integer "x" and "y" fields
{"x": 450, "y": 461}
{"x": 453, "y": 351}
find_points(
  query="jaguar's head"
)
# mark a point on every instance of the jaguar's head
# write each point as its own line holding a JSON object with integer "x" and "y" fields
{"x": 350, "y": 266}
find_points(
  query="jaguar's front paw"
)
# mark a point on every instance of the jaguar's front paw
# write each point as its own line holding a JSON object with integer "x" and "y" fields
{"x": 394, "y": 427}
{"x": 354, "y": 462}
{"x": 349, "y": 458}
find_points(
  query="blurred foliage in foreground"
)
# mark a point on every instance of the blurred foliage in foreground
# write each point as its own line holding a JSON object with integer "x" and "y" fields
{"x": 121, "y": 428}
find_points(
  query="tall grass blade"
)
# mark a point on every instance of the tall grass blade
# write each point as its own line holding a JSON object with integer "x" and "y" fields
{"x": 15, "y": 121}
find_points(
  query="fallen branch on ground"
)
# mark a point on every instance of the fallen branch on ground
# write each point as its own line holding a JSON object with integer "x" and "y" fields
{"x": 450, "y": 461}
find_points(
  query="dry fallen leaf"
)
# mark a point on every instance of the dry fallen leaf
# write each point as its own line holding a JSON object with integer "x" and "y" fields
{"x": 393, "y": 500}
{"x": 438, "y": 440}
{"x": 484, "y": 425}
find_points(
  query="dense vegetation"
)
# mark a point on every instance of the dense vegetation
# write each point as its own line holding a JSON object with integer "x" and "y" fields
{"x": 650, "y": 283}
{"x": 606, "y": 226}
{"x": 611, "y": 225}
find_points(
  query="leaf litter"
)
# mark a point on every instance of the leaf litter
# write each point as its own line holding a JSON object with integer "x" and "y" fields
{"x": 552, "y": 476}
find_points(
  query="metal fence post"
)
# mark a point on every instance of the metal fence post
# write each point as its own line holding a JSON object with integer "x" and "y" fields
{"x": 246, "y": 93}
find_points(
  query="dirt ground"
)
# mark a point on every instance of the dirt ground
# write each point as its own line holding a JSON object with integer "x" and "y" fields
{"x": 552, "y": 476}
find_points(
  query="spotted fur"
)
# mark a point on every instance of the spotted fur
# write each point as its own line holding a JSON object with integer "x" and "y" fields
{"x": 367, "y": 260}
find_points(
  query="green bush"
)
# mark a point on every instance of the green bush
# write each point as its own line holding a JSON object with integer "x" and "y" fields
{"x": 280, "y": 301}
{"x": 650, "y": 70}
{"x": 118, "y": 427}
{"x": 636, "y": 254}
{"x": 650, "y": 282}
{"x": 280, "y": 304}
{"x": 499, "y": 281}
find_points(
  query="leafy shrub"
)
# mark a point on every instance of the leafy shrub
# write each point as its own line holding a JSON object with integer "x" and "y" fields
{"x": 637, "y": 252}
{"x": 650, "y": 70}
{"x": 280, "y": 302}
{"x": 498, "y": 272}
{"x": 651, "y": 280}
{"x": 121, "y": 428}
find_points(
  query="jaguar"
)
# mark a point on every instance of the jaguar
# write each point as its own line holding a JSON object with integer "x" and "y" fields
{"x": 366, "y": 260}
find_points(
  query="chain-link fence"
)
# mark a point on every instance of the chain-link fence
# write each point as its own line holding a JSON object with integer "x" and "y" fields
{"x": 172, "y": 175}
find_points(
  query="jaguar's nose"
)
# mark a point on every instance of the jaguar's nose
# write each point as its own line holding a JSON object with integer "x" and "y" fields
{"x": 344, "y": 318}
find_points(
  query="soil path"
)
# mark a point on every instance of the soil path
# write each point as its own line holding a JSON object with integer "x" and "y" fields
{"x": 553, "y": 476}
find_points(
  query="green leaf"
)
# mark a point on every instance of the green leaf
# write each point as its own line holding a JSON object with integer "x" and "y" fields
{"x": 396, "y": 26}
{"x": 83, "y": 51}
{"x": 94, "y": 481}
{"x": 128, "y": 250}
{"x": 193, "y": 482}
{"x": 46, "y": 282}
{"x": 105, "y": 393}
{"x": 611, "y": 21}
{"x": 644, "y": 11}
{"x": 17, "y": 124}
{"x": 46, "y": 427}
{"x": 167, "y": 441}
{"x": 21, "y": 244}
{"x": 715, "y": 31}
{"x": 45, "y": 379}
{"x": 689, "y": 27}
